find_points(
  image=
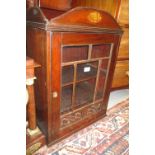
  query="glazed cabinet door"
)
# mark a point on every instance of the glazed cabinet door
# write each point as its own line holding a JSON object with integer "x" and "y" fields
{"x": 83, "y": 74}
{"x": 82, "y": 67}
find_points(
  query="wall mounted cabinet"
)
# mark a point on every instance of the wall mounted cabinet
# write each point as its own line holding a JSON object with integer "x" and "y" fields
{"x": 77, "y": 51}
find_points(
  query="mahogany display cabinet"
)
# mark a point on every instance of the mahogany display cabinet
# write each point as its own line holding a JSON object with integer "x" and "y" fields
{"x": 77, "y": 50}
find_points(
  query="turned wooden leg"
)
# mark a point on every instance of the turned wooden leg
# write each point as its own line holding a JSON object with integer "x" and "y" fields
{"x": 31, "y": 107}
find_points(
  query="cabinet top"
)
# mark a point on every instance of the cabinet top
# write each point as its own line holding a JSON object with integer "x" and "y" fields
{"x": 80, "y": 19}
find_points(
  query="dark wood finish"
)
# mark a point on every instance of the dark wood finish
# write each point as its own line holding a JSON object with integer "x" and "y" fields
{"x": 50, "y": 4}
{"x": 58, "y": 44}
{"x": 55, "y": 85}
{"x": 76, "y": 20}
{"x": 87, "y": 38}
{"x": 39, "y": 53}
{"x": 74, "y": 53}
{"x": 56, "y": 4}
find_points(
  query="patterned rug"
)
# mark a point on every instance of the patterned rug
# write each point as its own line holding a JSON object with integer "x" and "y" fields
{"x": 108, "y": 136}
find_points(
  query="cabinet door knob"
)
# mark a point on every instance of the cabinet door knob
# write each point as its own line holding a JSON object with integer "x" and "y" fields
{"x": 55, "y": 94}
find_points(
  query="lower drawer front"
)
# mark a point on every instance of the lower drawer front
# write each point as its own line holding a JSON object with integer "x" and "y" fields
{"x": 121, "y": 78}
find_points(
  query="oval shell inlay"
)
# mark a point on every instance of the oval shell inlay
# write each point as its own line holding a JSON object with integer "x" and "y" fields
{"x": 94, "y": 17}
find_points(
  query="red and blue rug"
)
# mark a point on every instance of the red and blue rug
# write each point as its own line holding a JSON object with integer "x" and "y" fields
{"x": 108, "y": 136}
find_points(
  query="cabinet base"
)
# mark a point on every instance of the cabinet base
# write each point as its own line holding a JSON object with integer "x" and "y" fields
{"x": 34, "y": 142}
{"x": 74, "y": 130}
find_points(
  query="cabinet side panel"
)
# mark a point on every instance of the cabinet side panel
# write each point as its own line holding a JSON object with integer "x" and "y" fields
{"x": 36, "y": 49}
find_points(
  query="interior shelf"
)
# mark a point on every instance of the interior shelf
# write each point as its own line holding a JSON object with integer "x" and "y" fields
{"x": 100, "y": 51}
{"x": 74, "y": 53}
{"x": 85, "y": 71}
{"x": 67, "y": 75}
{"x": 84, "y": 92}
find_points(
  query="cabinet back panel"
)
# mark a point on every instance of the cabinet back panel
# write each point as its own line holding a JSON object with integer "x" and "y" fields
{"x": 74, "y": 53}
{"x": 66, "y": 98}
{"x": 67, "y": 75}
{"x": 86, "y": 70}
{"x": 84, "y": 92}
{"x": 99, "y": 51}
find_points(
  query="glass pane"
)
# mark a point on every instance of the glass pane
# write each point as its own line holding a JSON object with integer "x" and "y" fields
{"x": 87, "y": 70}
{"x": 100, "y": 85}
{"x": 84, "y": 92}
{"x": 66, "y": 98}
{"x": 100, "y": 51}
{"x": 67, "y": 75}
{"x": 74, "y": 53}
{"x": 101, "y": 80}
{"x": 104, "y": 64}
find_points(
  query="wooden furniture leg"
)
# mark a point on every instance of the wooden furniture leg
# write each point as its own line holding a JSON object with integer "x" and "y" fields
{"x": 35, "y": 139}
{"x": 31, "y": 108}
